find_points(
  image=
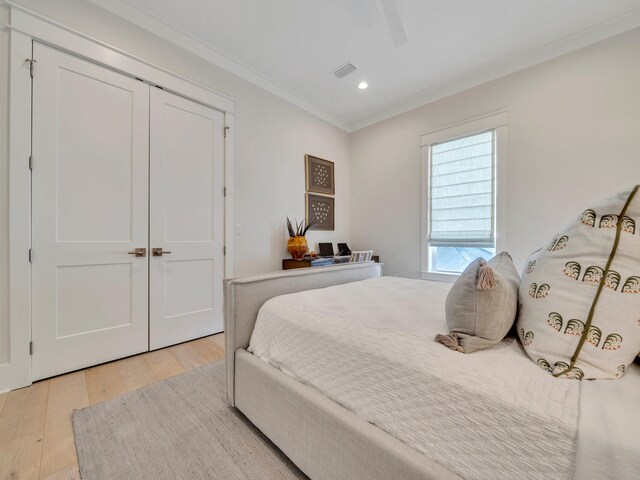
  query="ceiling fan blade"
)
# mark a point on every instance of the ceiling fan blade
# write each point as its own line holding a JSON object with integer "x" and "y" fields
{"x": 361, "y": 12}
{"x": 394, "y": 23}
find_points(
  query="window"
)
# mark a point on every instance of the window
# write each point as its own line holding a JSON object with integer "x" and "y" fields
{"x": 459, "y": 195}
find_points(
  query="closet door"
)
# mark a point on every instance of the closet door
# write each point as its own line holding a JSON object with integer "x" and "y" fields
{"x": 89, "y": 212}
{"x": 186, "y": 219}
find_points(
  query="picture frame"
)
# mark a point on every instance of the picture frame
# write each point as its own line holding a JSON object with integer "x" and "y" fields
{"x": 319, "y": 175}
{"x": 322, "y": 208}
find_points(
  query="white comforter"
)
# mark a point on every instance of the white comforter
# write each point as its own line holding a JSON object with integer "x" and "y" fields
{"x": 369, "y": 346}
{"x": 609, "y": 428}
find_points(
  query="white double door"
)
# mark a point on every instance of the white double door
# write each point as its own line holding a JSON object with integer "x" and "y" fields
{"x": 120, "y": 167}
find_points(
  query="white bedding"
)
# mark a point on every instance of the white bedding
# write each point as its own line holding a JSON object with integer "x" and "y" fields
{"x": 369, "y": 346}
{"x": 609, "y": 428}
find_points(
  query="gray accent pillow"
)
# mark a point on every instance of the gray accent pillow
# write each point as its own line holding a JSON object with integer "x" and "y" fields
{"x": 482, "y": 304}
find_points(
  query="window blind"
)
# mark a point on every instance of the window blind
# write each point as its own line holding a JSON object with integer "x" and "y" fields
{"x": 461, "y": 192}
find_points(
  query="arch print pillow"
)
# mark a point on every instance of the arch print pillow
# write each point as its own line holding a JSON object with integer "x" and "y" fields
{"x": 579, "y": 299}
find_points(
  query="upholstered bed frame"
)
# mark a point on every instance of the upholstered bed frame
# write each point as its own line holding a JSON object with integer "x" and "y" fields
{"x": 322, "y": 438}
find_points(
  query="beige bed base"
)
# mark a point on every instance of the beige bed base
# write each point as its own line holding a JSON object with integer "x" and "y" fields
{"x": 323, "y": 439}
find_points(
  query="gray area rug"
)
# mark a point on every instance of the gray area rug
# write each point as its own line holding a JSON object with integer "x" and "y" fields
{"x": 180, "y": 428}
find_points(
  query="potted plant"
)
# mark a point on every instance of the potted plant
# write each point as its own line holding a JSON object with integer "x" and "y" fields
{"x": 297, "y": 244}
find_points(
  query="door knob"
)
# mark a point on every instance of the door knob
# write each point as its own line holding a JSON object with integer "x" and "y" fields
{"x": 139, "y": 252}
{"x": 158, "y": 252}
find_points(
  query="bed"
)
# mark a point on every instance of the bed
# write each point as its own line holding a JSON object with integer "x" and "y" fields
{"x": 338, "y": 367}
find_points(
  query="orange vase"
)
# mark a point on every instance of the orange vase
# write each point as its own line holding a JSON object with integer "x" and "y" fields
{"x": 297, "y": 247}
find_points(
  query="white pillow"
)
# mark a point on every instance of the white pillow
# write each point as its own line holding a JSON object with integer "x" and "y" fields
{"x": 579, "y": 312}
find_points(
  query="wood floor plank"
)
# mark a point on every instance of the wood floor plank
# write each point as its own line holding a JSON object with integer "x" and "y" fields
{"x": 218, "y": 339}
{"x": 66, "y": 393}
{"x": 209, "y": 350}
{"x": 36, "y": 435}
{"x": 34, "y": 410}
{"x": 70, "y": 473}
{"x": 163, "y": 364}
{"x": 10, "y": 415}
{"x": 135, "y": 372}
{"x": 20, "y": 457}
{"x": 188, "y": 356}
{"x": 24, "y": 411}
{"x": 104, "y": 382}
{"x": 3, "y": 399}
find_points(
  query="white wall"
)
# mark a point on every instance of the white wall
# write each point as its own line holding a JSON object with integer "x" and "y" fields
{"x": 574, "y": 138}
{"x": 271, "y": 139}
{"x": 4, "y": 191}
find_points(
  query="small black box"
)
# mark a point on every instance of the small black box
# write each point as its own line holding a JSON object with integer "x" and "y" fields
{"x": 343, "y": 249}
{"x": 326, "y": 249}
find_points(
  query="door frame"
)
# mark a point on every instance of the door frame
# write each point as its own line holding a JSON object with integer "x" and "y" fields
{"x": 25, "y": 27}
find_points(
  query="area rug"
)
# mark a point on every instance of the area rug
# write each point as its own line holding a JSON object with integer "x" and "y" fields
{"x": 180, "y": 428}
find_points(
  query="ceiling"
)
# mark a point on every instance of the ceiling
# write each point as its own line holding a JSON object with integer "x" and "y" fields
{"x": 291, "y": 47}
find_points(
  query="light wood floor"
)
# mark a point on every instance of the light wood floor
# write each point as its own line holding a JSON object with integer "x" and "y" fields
{"x": 36, "y": 437}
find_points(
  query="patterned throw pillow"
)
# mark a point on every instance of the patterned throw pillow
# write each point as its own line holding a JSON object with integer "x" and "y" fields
{"x": 579, "y": 300}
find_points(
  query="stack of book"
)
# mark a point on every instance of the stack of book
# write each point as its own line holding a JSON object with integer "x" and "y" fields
{"x": 341, "y": 259}
{"x": 321, "y": 262}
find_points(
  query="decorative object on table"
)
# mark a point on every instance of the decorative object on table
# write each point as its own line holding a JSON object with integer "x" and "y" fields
{"x": 306, "y": 262}
{"x": 309, "y": 261}
{"x": 297, "y": 245}
{"x": 326, "y": 249}
{"x": 580, "y": 295}
{"x": 343, "y": 249}
{"x": 342, "y": 259}
{"x": 291, "y": 264}
{"x": 320, "y": 176}
{"x": 321, "y": 262}
{"x": 358, "y": 256}
{"x": 322, "y": 209}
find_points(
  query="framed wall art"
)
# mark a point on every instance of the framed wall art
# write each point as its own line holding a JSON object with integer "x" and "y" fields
{"x": 320, "y": 175}
{"x": 323, "y": 209}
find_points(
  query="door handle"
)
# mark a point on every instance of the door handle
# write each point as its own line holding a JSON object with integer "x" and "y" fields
{"x": 158, "y": 252}
{"x": 139, "y": 252}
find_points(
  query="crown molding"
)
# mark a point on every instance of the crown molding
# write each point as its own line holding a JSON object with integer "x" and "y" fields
{"x": 508, "y": 65}
{"x": 498, "y": 68}
{"x": 193, "y": 45}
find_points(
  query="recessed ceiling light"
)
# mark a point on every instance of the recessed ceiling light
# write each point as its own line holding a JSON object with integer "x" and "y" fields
{"x": 363, "y": 85}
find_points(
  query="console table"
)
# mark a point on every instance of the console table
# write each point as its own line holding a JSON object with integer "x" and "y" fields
{"x": 290, "y": 263}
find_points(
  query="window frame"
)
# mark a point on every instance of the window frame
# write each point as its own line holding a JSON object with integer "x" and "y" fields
{"x": 497, "y": 122}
